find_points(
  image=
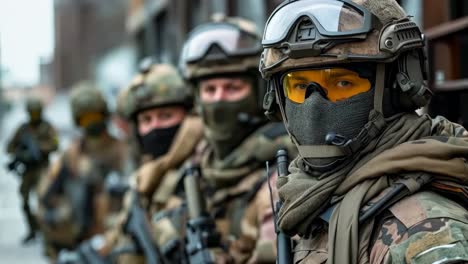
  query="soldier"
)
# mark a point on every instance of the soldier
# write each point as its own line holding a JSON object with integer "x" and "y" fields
{"x": 74, "y": 204}
{"x": 220, "y": 59}
{"x": 30, "y": 147}
{"x": 373, "y": 181}
{"x": 157, "y": 104}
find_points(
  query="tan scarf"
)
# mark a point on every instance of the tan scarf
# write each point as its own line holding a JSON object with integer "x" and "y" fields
{"x": 404, "y": 147}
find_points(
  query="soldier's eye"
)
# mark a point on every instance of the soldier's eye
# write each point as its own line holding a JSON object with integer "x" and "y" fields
{"x": 344, "y": 84}
{"x": 301, "y": 86}
{"x": 165, "y": 115}
{"x": 143, "y": 118}
{"x": 233, "y": 88}
{"x": 209, "y": 89}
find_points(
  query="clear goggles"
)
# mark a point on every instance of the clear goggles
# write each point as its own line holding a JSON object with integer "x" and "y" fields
{"x": 335, "y": 84}
{"x": 332, "y": 18}
{"x": 230, "y": 39}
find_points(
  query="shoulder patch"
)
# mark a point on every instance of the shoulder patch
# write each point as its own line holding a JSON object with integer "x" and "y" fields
{"x": 446, "y": 245}
{"x": 425, "y": 205}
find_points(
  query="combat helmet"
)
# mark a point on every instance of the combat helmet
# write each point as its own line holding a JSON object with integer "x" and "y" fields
{"x": 223, "y": 46}
{"x": 313, "y": 33}
{"x": 375, "y": 35}
{"x": 85, "y": 98}
{"x": 157, "y": 85}
{"x": 34, "y": 104}
{"x": 34, "y": 108}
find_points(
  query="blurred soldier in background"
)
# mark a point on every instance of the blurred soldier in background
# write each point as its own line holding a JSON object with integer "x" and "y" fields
{"x": 220, "y": 59}
{"x": 30, "y": 148}
{"x": 73, "y": 202}
{"x": 160, "y": 104}
{"x": 374, "y": 182}
{"x": 157, "y": 104}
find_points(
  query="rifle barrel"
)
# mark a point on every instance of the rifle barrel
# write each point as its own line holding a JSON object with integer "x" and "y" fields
{"x": 283, "y": 242}
{"x": 195, "y": 201}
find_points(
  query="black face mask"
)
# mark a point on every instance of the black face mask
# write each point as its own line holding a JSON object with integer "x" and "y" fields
{"x": 311, "y": 121}
{"x": 95, "y": 129}
{"x": 158, "y": 141}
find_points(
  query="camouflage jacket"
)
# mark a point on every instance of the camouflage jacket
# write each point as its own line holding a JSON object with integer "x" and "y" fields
{"x": 81, "y": 171}
{"x": 159, "y": 180}
{"x": 422, "y": 228}
{"x": 43, "y": 134}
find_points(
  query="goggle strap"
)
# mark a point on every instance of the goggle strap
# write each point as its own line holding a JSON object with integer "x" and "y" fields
{"x": 370, "y": 131}
{"x": 379, "y": 87}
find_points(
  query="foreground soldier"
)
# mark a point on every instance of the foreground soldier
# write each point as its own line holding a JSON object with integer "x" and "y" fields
{"x": 220, "y": 59}
{"x": 373, "y": 182}
{"x": 74, "y": 204}
{"x": 30, "y": 147}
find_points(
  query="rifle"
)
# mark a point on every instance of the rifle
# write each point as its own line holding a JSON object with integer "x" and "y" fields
{"x": 201, "y": 229}
{"x": 27, "y": 155}
{"x": 283, "y": 241}
{"x": 138, "y": 227}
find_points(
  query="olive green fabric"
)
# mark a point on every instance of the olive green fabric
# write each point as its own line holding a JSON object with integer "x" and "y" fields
{"x": 252, "y": 154}
{"x": 408, "y": 144}
{"x": 222, "y": 127}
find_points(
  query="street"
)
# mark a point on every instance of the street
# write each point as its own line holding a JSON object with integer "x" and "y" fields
{"x": 12, "y": 227}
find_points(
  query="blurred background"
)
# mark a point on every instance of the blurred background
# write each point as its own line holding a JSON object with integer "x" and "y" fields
{"x": 47, "y": 46}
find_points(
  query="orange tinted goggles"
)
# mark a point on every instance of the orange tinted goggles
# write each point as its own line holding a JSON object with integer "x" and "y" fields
{"x": 87, "y": 119}
{"x": 337, "y": 83}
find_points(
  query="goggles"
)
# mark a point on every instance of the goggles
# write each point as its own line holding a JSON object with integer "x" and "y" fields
{"x": 331, "y": 18}
{"x": 335, "y": 84}
{"x": 89, "y": 118}
{"x": 230, "y": 39}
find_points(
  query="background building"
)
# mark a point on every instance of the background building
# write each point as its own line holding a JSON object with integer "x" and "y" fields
{"x": 86, "y": 32}
{"x": 446, "y": 28}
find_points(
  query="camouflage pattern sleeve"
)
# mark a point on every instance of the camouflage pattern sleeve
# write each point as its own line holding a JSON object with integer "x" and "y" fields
{"x": 423, "y": 228}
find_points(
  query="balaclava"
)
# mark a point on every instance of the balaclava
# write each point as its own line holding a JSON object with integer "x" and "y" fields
{"x": 227, "y": 124}
{"x": 158, "y": 141}
{"x": 319, "y": 121}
